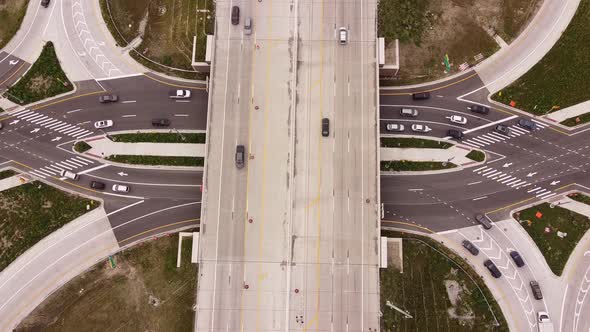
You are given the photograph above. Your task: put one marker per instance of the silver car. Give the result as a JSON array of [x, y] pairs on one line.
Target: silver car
[[420, 128]]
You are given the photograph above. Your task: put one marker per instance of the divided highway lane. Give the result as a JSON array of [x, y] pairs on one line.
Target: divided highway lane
[[11, 67]]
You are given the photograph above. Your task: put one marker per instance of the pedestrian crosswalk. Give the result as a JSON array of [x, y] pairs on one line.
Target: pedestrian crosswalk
[[56, 168], [50, 123], [512, 181], [495, 137]]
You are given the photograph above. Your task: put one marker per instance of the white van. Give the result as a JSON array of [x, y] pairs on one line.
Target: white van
[[343, 36], [69, 175], [248, 26]]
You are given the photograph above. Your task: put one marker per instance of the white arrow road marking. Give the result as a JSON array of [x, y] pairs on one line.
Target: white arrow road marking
[[122, 174], [555, 182], [531, 174], [13, 62], [35, 130], [507, 165], [14, 122]]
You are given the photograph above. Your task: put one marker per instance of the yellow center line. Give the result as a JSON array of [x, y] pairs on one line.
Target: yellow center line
[[408, 224], [430, 90], [35, 108]]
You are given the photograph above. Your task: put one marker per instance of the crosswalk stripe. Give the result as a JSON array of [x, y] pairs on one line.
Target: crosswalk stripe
[[63, 125], [80, 161], [43, 118], [66, 128], [509, 183], [488, 171], [520, 182], [37, 175], [471, 145], [47, 124], [69, 163], [30, 116], [71, 130], [46, 173], [546, 195], [487, 139], [21, 113], [510, 178], [474, 143], [82, 136], [75, 162], [481, 169], [503, 177], [536, 188], [48, 170], [64, 166], [84, 159], [523, 186], [57, 169], [46, 121], [498, 136], [480, 141], [493, 174], [540, 124], [490, 137], [54, 125], [76, 132], [518, 130], [540, 191]]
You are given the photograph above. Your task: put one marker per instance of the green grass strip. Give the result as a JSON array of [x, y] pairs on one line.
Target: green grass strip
[[160, 138], [580, 198], [576, 120], [561, 77], [157, 160], [476, 155], [45, 79], [405, 165], [410, 142], [82, 147], [7, 173], [555, 249]]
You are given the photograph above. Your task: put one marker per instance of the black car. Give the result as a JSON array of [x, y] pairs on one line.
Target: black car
[[503, 129], [483, 220], [517, 258], [240, 155], [479, 109], [456, 134], [420, 95], [45, 3], [108, 98], [160, 122], [97, 185], [527, 124], [325, 127], [471, 247], [492, 268], [536, 290], [235, 15]]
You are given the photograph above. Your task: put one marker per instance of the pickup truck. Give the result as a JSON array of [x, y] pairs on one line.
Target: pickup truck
[[179, 94], [545, 324]]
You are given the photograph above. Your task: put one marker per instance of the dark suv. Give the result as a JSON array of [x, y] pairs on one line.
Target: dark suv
[[235, 15], [421, 95], [240, 155], [503, 129], [325, 127], [479, 109], [517, 258], [527, 124], [97, 185], [536, 290], [483, 220], [45, 3], [160, 122], [471, 247], [456, 134], [492, 268]]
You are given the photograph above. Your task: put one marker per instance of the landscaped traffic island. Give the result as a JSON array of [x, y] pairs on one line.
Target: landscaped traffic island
[[406, 165]]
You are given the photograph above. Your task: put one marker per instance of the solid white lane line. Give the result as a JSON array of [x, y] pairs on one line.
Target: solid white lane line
[[479, 198], [129, 116], [181, 115], [74, 111], [472, 183], [490, 124], [128, 101], [94, 169]]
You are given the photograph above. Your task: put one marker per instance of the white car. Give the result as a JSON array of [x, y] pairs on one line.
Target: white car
[[103, 124], [394, 127], [343, 35], [180, 94], [120, 188], [458, 119], [420, 128]]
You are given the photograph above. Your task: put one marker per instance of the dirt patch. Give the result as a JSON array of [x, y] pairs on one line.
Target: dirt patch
[[143, 292], [40, 83], [463, 30]]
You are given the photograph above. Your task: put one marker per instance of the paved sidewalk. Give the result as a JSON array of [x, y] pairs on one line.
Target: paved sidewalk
[[103, 147], [575, 206], [11, 182], [455, 152], [569, 112], [52, 262]]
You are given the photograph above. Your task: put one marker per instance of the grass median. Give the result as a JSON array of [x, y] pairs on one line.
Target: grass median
[[408, 166], [7, 173], [438, 289], [82, 147], [580, 198], [410, 142], [145, 291], [576, 120], [44, 79], [30, 212], [12, 13], [198, 138], [543, 224], [476, 155], [157, 160], [559, 80]]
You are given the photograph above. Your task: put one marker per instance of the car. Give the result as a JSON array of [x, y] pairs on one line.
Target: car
[[470, 247], [97, 185], [536, 289], [179, 94], [479, 109], [120, 188], [502, 129], [483, 220], [248, 26], [45, 3], [409, 112], [343, 35], [527, 124], [240, 156], [420, 95], [517, 258], [395, 127], [69, 175], [458, 119], [1, 125], [103, 124], [492, 268], [160, 122], [235, 15], [325, 127], [420, 128], [456, 134], [108, 98]]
